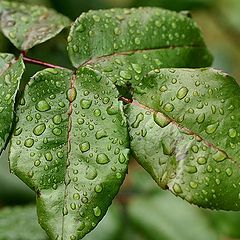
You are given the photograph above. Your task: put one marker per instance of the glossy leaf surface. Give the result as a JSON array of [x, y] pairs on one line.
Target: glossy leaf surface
[[70, 146], [185, 133], [27, 25], [11, 71], [130, 31]]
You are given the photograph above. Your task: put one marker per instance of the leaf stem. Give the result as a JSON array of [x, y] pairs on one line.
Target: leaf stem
[[38, 62], [125, 100]]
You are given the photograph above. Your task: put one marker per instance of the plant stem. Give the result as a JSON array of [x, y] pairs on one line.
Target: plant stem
[[125, 100], [38, 62]]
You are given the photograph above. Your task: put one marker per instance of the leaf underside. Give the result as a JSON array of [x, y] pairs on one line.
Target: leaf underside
[[184, 128], [70, 146], [11, 71], [27, 25]]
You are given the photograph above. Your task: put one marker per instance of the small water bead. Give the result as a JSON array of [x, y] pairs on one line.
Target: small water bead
[[122, 158], [182, 93], [57, 119], [57, 131], [84, 200], [200, 118], [229, 172], [201, 160], [43, 106], [80, 121], [112, 110], [161, 120], [217, 181], [90, 173], [232, 133], [168, 107], [17, 131], [98, 188], [212, 128], [29, 142], [137, 68], [106, 100], [37, 163], [219, 156], [191, 169], [38, 130], [193, 184], [97, 112], [125, 75], [101, 134], [48, 156], [81, 225], [102, 158], [177, 188], [97, 211], [163, 88], [138, 120], [85, 103], [84, 147]]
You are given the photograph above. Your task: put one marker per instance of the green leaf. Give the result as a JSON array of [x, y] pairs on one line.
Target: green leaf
[[20, 223], [142, 33], [71, 148], [165, 217], [28, 25], [11, 71], [184, 125]]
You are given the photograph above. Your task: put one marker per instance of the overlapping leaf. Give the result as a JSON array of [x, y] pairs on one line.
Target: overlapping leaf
[[130, 42], [184, 126], [26, 25], [70, 146], [11, 71]]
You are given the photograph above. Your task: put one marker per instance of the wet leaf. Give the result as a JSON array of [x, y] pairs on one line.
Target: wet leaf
[[27, 25], [116, 34], [71, 148], [11, 71], [18, 223], [184, 126]]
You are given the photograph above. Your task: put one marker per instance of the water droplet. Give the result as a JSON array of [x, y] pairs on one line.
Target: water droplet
[[102, 158], [96, 18], [97, 211], [191, 169], [219, 156], [168, 107], [112, 110], [71, 94], [48, 156], [81, 225], [232, 133], [182, 93], [202, 160], [57, 131], [177, 188], [126, 75], [138, 120], [217, 181], [137, 68], [90, 173], [85, 103], [38, 130], [76, 196], [17, 131], [193, 184], [101, 134], [201, 118], [84, 147], [229, 172], [29, 142], [98, 188], [37, 163], [161, 120], [97, 112], [121, 158], [43, 106], [212, 128], [195, 148]]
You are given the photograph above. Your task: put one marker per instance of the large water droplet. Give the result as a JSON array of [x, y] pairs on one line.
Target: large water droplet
[[182, 93], [57, 119], [38, 130], [161, 120], [84, 147], [212, 128], [102, 158], [138, 120], [29, 142], [43, 106], [101, 134], [85, 103]]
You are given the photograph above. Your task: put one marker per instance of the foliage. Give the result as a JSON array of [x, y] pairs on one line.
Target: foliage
[[132, 93]]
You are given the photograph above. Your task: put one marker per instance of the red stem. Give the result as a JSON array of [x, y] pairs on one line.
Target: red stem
[[126, 100], [38, 62]]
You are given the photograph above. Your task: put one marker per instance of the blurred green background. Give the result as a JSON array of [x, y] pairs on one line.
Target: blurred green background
[[141, 211]]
